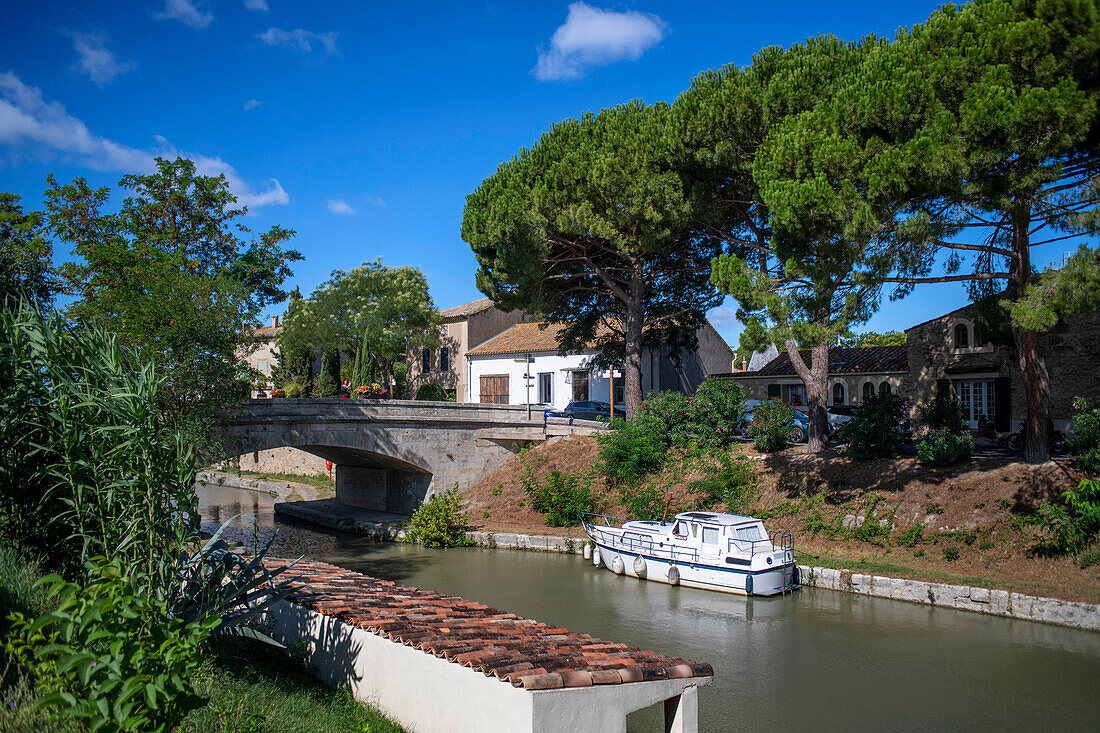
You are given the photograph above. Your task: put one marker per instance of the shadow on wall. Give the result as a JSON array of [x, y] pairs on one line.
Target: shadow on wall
[[323, 643]]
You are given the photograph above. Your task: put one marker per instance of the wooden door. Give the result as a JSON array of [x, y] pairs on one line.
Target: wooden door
[[494, 389]]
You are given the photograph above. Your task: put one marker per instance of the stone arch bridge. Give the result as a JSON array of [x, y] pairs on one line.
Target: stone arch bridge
[[392, 455]]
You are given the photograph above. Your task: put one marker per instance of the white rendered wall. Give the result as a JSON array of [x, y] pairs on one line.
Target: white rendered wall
[[599, 383]]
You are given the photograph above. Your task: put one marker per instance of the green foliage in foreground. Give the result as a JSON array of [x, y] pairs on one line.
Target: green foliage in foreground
[[431, 392], [442, 521], [87, 465], [562, 498], [110, 655], [254, 688], [1084, 442], [1071, 527]]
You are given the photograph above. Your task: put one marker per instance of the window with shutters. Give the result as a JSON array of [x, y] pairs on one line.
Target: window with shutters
[[426, 360], [444, 359]]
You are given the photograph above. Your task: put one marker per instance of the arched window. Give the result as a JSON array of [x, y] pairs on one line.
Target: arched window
[[838, 393], [868, 390], [962, 336], [884, 388]]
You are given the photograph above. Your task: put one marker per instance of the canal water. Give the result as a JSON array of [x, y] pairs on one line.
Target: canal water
[[814, 660]]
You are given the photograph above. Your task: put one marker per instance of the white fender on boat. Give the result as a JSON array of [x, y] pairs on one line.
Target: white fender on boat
[[673, 576], [639, 566], [617, 565], [596, 556], [587, 551]]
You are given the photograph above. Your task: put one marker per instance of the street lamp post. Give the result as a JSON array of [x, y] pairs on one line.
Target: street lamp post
[[526, 360]]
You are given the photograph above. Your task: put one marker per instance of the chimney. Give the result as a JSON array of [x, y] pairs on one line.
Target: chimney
[[274, 321]]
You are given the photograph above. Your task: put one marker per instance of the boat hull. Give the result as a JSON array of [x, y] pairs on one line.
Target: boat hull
[[739, 581]]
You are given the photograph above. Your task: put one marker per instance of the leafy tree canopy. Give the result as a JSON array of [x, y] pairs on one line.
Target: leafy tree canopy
[[372, 310], [870, 338], [25, 255], [591, 228], [175, 275]]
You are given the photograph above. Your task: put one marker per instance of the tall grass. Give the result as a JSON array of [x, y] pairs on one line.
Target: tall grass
[[87, 465]]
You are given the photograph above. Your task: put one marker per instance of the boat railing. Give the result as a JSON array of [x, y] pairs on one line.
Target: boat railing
[[636, 542], [782, 539], [755, 546]]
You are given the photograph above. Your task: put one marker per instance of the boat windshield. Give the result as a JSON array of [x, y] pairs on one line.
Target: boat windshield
[[750, 532]]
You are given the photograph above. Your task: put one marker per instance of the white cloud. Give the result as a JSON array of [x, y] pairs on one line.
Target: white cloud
[[32, 127], [374, 201], [723, 317], [300, 39], [186, 12], [96, 60], [593, 37], [260, 5], [339, 206], [251, 104]]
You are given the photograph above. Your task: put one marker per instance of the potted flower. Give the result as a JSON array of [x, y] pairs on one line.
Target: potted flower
[[372, 391]]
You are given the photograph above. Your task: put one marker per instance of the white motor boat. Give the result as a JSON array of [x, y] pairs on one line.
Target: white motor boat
[[712, 550]]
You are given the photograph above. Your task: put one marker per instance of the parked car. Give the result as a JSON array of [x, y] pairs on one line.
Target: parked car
[[800, 425], [585, 410], [838, 415]]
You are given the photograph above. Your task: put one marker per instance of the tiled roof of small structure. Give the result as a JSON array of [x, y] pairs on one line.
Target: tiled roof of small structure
[[522, 338], [854, 360], [525, 653], [266, 332], [468, 309]]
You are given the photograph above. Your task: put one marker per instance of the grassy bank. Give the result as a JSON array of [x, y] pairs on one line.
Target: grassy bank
[[973, 523]]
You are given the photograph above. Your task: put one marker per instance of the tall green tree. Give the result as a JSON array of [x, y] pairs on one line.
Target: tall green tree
[[294, 366], [590, 228], [770, 139], [1016, 84], [372, 313], [25, 256], [177, 276]]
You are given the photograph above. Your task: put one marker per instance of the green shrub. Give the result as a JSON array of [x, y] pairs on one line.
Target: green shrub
[[715, 412], [1084, 440], [1070, 528], [770, 428], [951, 554], [431, 392], [563, 498], [642, 502], [110, 655], [912, 536], [442, 521], [88, 466], [1089, 558], [873, 529], [943, 412], [629, 450], [877, 430], [668, 416], [328, 381], [732, 482], [942, 447]]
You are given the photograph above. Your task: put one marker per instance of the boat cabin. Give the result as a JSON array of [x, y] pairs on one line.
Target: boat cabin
[[716, 534]]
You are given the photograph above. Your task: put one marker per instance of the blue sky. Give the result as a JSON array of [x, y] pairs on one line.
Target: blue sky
[[364, 126]]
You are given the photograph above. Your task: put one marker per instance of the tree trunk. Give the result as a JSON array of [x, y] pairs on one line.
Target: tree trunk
[[816, 379], [1032, 367], [632, 372]]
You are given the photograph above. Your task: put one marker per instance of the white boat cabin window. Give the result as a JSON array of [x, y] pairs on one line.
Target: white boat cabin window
[[679, 529], [750, 532], [694, 529], [710, 535]]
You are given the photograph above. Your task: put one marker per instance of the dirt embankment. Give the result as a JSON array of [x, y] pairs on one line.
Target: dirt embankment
[[973, 516]]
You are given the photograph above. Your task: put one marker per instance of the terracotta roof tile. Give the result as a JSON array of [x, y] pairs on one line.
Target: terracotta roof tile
[[521, 338], [468, 309], [861, 360], [524, 652]]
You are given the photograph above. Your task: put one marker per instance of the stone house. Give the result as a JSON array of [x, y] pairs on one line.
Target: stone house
[[499, 369], [264, 356], [854, 375], [950, 355], [464, 327]]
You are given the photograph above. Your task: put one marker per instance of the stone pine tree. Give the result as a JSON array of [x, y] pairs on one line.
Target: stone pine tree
[[1016, 86], [589, 228], [767, 139]]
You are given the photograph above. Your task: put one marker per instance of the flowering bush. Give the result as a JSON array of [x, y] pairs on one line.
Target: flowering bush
[[277, 393], [370, 391], [1084, 441], [770, 428], [878, 429], [715, 411]]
